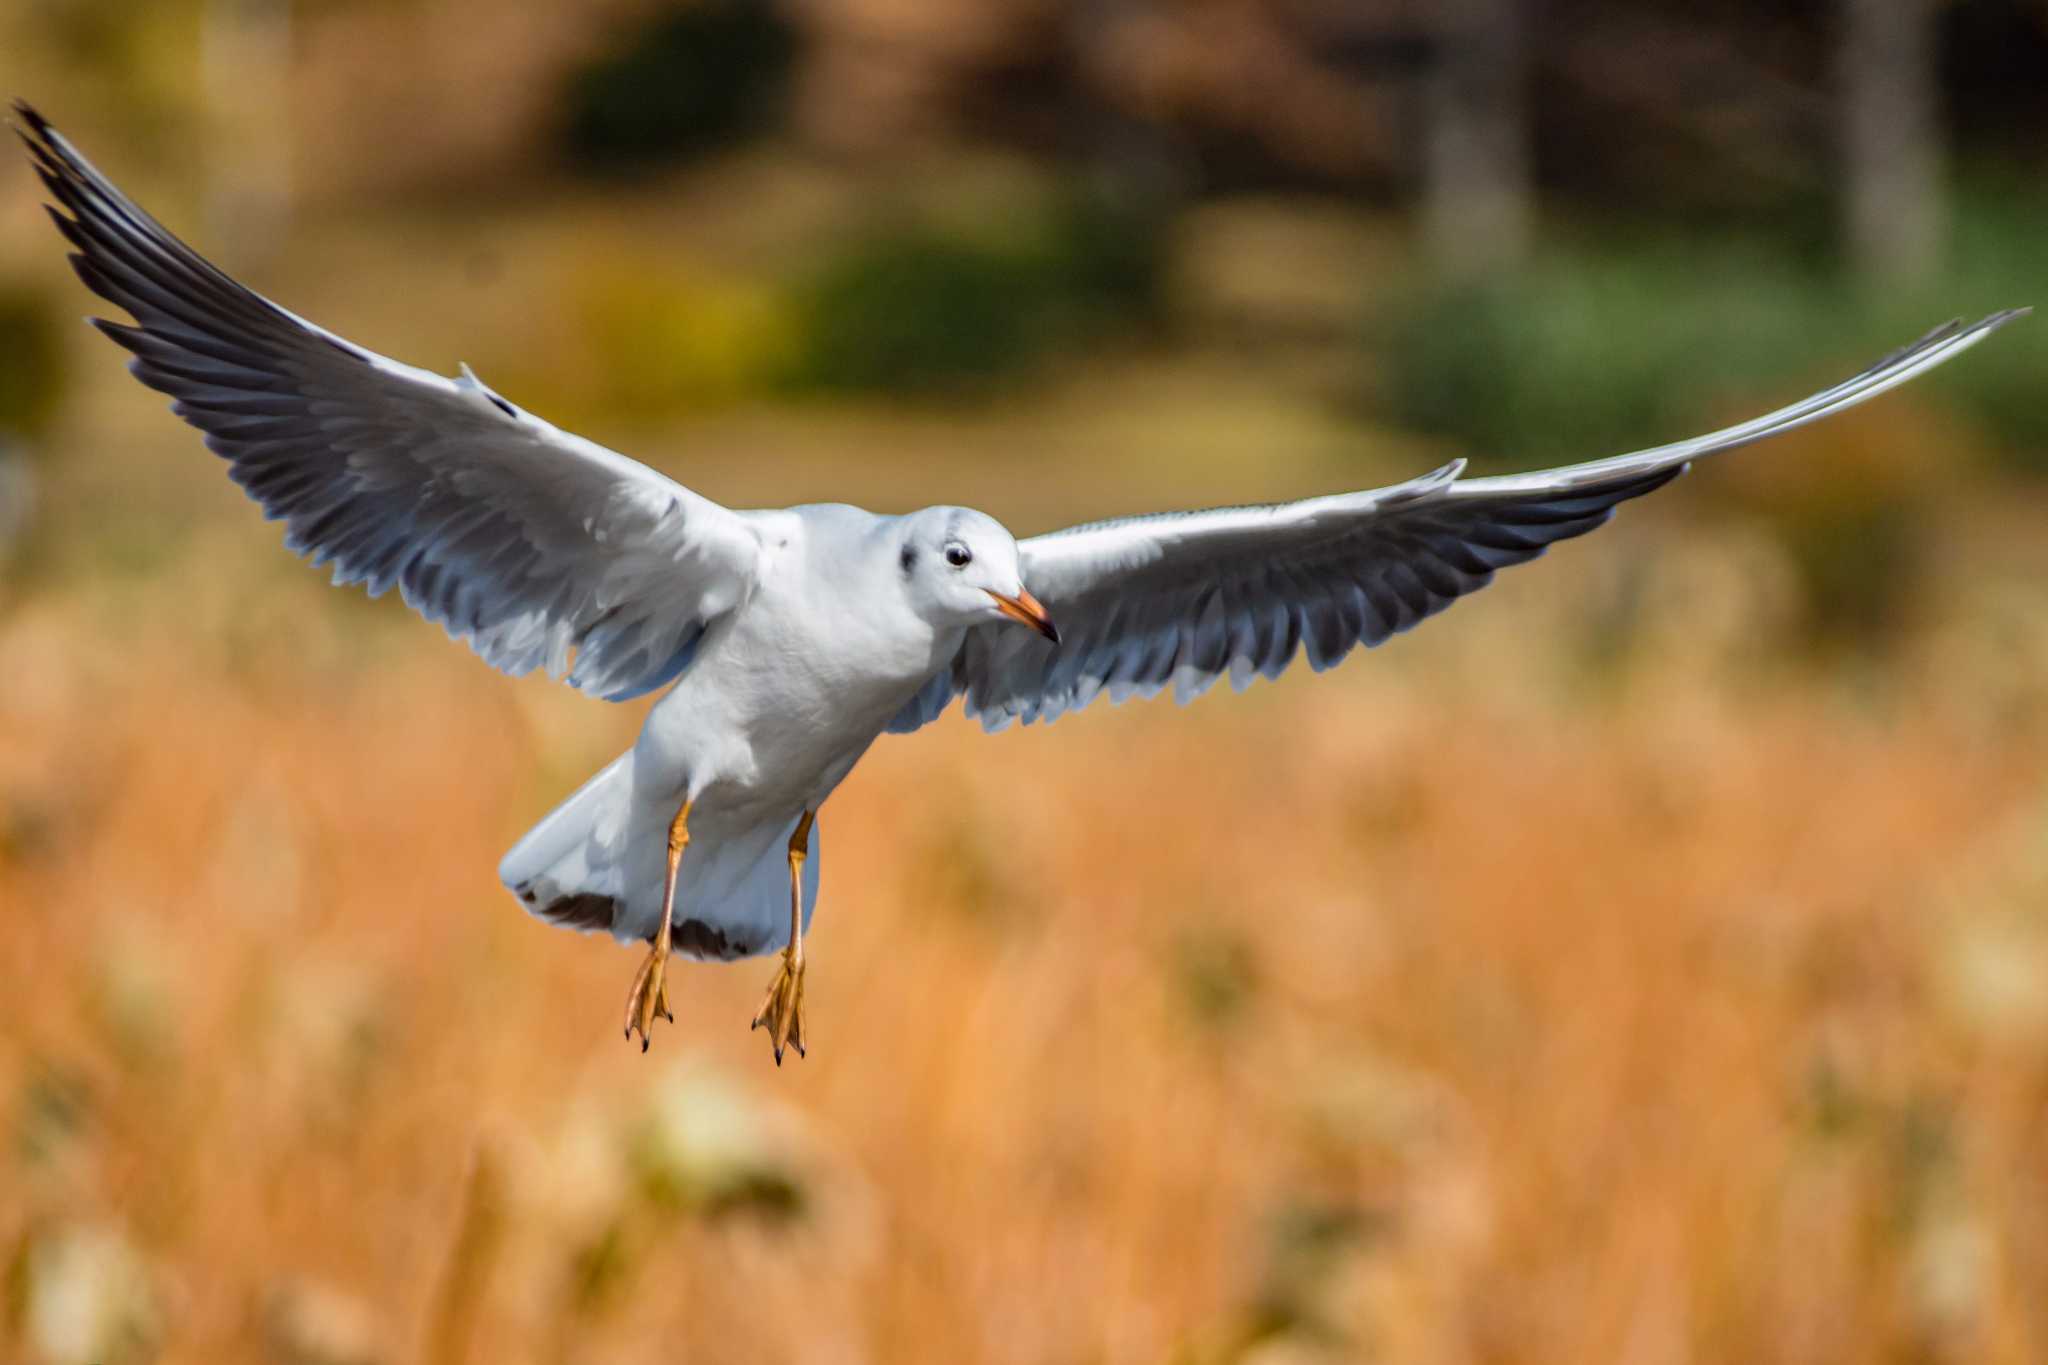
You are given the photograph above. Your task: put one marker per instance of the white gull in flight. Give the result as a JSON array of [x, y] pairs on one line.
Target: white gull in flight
[[788, 639]]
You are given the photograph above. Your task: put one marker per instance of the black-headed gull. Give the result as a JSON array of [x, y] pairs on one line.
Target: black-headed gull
[[788, 640]]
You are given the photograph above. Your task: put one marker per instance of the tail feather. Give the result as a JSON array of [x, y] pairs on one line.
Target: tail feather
[[597, 862], [570, 868]]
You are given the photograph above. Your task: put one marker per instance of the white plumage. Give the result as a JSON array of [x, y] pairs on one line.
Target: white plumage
[[789, 639]]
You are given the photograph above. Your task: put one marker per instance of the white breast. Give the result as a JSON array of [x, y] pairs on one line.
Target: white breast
[[787, 694]]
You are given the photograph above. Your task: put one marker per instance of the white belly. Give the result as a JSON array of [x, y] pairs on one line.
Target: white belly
[[768, 721]]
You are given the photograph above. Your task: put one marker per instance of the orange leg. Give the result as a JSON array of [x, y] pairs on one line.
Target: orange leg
[[649, 996], [783, 1010]]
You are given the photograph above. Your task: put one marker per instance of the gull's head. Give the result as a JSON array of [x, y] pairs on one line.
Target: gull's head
[[960, 568]]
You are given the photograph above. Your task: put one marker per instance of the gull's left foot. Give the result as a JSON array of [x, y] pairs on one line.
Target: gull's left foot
[[648, 999], [782, 1012]]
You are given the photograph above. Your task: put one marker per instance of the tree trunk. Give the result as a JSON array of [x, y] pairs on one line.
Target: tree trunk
[[1891, 140], [1477, 211]]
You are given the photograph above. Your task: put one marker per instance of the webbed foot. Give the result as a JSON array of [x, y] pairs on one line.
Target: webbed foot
[[782, 1011], [649, 996]]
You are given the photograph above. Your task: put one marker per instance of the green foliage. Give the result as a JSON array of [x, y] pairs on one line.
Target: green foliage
[[1600, 347], [919, 311], [686, 81], [924, 310], [1603, 347], [1591, 352], [1995, 262], [31, 380]]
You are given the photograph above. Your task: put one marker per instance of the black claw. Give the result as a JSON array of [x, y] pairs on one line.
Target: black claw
[[644, 1041]]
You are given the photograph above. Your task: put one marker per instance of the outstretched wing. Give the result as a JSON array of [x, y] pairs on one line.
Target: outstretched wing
[[539, 548], [1183, 598]]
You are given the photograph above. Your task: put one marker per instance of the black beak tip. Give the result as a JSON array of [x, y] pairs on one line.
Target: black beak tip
[[1049, 630]]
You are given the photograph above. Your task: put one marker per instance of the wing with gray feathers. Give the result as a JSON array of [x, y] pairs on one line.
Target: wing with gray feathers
[[1184, 598], [539, 548]]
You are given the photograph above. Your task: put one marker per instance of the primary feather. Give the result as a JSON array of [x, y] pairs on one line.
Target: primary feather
[[537, 547]]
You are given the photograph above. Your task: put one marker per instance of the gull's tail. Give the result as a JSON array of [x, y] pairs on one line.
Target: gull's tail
[[597, 862], [570, 868]]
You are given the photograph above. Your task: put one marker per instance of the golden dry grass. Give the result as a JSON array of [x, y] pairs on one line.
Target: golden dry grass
[[1497, 998], [1591, 975]]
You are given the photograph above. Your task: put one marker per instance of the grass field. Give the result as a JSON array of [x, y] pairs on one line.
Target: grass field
[[1596, 974], [1612, 970]]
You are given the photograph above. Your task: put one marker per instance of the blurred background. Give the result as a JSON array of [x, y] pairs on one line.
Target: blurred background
[[1647, 962]]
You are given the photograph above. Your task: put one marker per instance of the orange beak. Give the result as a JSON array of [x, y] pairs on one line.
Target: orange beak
[[1024, 607]]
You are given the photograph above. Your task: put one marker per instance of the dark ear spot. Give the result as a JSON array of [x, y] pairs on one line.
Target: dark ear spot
[[908, 559]]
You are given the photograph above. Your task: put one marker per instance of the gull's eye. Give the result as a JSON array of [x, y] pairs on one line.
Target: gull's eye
[[958, 555]]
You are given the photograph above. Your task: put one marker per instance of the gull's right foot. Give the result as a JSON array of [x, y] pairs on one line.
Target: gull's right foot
[[649, 996]]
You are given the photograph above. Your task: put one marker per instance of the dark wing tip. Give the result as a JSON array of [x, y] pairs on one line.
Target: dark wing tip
[[1983, 326], [52, 158], [44, 142]]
